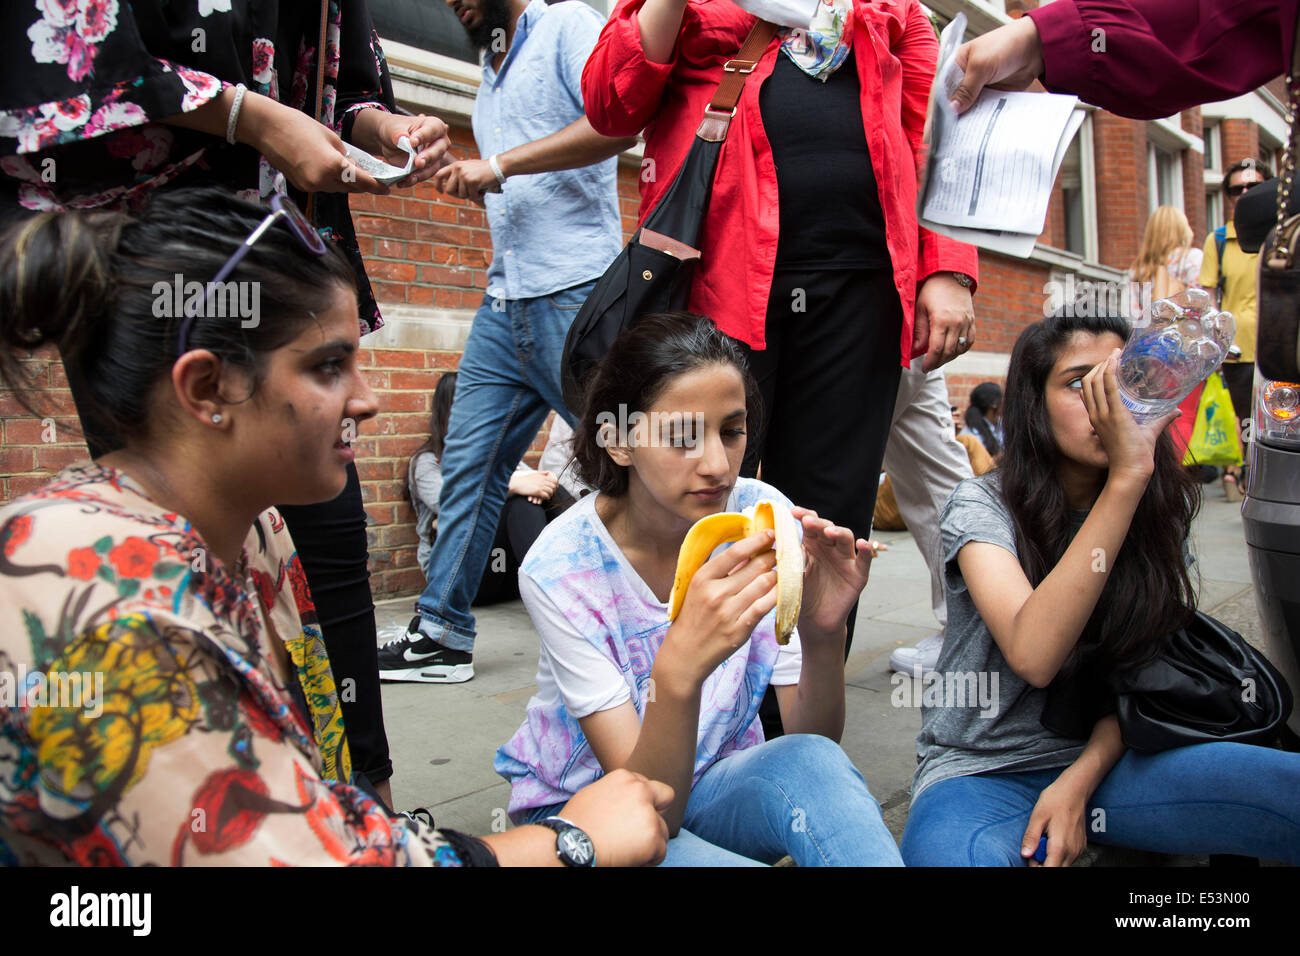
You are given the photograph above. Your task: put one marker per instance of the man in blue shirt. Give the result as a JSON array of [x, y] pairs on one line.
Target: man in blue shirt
[[555, 227]]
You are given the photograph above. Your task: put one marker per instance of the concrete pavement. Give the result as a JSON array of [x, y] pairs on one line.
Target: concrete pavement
[[443, 737]]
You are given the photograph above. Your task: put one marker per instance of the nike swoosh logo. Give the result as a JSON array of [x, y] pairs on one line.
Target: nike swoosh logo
[[413, 658]]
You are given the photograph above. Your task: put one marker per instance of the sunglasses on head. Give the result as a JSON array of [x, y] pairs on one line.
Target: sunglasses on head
[[281, 208]]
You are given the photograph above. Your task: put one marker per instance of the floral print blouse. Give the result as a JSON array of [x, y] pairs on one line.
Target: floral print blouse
[[157, 707], [86, 82]]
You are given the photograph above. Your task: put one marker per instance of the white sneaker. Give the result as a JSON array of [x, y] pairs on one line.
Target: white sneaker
[[919, 660]]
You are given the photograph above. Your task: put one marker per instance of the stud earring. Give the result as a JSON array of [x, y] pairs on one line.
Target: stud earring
[[216, 418]]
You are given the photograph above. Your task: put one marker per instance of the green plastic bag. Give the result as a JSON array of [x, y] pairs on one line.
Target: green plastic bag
[[1214, 438]]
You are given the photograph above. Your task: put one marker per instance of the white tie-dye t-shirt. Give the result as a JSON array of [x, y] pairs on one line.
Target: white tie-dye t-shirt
[[601, 627]]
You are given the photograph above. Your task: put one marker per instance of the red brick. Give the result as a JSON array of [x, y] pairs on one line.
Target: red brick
[[381, 515], [389, 249], [389, 206], [20, 485], [443, 212], [396, 271], [419, 251], [474, 258], [442, 275], [450, 235], [389, 491], [14, 459], [424, 379], [399, 358], [404, 401], [57, 457], [375, 378], [421, 295], [375, 469]]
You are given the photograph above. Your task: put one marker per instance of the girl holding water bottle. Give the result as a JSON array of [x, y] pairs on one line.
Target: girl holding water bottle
[[1078, 539]]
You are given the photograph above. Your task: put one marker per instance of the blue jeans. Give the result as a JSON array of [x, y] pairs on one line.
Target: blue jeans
[[798, 795], [509, 379], [1210, 798]]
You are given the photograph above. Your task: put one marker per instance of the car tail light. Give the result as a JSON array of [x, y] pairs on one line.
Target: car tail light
[[1277, 412]]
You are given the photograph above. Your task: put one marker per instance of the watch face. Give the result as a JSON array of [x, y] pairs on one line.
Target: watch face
[[575, 846]]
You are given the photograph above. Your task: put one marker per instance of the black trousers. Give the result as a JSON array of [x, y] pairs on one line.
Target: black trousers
[[1239, 378], [521, 522], [828, 377], [331, 541]]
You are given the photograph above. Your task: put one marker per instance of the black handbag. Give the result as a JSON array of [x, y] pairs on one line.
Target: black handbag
[[1277, 347], [1208, 685], [653, 273]]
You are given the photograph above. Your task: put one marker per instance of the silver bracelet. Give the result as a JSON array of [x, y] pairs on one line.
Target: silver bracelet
[[233, 120], [496, 170]]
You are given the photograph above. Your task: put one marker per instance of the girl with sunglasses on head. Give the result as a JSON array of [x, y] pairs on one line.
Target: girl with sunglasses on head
[[107, 102], [204, 725], [619, 686], [1075, 549]]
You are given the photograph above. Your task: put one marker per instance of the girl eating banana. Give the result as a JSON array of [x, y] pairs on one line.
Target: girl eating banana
[[630, 678]]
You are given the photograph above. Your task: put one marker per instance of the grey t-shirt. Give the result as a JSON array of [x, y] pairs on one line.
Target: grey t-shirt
[[986, 717]]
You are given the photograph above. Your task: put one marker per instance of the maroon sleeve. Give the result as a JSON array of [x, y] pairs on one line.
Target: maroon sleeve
[[1151, 58]]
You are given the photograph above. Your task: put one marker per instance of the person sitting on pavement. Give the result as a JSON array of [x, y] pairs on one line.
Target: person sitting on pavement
[[1079, 478], [983, 416], [620, 685], [207, 726]]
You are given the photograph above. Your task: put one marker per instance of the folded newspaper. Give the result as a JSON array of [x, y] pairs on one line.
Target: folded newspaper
[[989, 172]]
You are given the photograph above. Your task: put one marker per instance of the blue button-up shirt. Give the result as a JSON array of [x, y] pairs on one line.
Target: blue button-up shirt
[[554, 230]]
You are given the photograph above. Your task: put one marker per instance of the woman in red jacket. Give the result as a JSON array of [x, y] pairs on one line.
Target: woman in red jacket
[[812, 255]]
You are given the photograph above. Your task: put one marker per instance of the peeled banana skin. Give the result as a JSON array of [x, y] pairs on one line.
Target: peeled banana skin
[[709, 532]]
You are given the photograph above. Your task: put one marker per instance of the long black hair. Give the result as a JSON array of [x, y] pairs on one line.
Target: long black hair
[[86, 281], [639, 366], [1149, 593], [443, 395], [984, 397]]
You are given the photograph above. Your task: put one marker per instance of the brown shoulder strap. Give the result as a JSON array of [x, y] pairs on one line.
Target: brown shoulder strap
[[733, 79], [717, 116]]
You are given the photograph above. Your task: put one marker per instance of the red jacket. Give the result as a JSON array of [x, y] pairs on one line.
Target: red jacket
[[895, 50]]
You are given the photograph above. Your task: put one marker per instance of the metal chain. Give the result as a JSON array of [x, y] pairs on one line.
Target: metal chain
[[1289, 154]]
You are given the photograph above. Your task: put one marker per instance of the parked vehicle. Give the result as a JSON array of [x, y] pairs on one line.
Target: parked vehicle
[[1271, 515]]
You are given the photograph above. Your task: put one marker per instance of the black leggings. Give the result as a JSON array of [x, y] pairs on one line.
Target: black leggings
[[331, 541], [521, 522]]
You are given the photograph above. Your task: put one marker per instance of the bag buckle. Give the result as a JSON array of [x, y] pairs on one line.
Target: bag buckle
[[739, 66]]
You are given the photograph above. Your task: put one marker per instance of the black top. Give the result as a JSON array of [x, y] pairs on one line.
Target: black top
[[831, 216]]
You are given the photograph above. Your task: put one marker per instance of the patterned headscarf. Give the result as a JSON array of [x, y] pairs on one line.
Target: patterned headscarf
[[820, 49]]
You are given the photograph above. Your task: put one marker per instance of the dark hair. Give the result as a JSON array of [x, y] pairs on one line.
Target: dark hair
[[1149, 592], [444, 393], [639, 366], [1249, 162], [983, 397], [85, 281]]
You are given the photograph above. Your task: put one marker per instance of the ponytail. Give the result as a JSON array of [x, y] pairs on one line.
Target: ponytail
[[56, 287]]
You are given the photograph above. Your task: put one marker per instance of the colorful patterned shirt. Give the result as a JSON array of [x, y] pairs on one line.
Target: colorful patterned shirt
[[87, 82], [601, 627], [157, 707]]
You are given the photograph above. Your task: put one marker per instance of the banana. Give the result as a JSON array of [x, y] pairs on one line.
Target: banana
[[707, 533]]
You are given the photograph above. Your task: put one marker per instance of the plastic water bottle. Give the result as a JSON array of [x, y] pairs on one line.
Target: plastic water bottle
[[1176, 345]]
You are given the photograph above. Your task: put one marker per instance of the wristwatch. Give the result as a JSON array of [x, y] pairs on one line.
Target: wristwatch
[[572, 845], [963, 279]]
